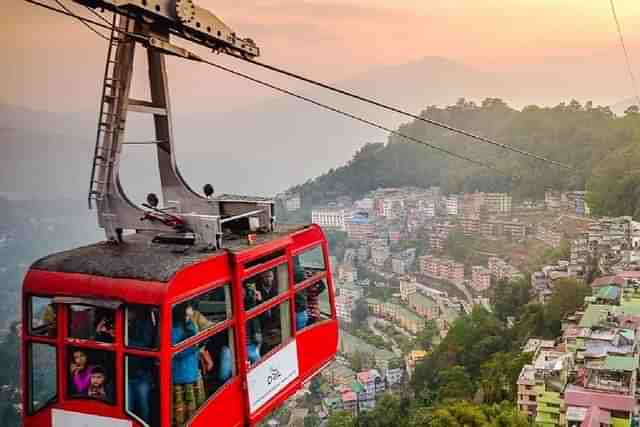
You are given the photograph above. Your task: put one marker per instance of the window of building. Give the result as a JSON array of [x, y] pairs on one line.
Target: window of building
[[308, 263], [267, 331], [264, 286], [42, 375], [43, 317], [201, 312], [198, 372], [142, 327], [312, 305], [141, 392], [91, 323], [91, 374]]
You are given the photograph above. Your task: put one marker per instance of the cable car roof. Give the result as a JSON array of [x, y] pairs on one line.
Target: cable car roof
[[140, 259]]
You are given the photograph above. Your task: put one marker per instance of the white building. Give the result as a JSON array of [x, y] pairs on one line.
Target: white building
[[407, 287], [452, 204], [292, 202], [366, 204], [344, 307], [329, 218], [394, 376], [379, 254]]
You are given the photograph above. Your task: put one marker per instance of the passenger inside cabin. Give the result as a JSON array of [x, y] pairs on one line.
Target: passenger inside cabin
[[49, 319], [188, 386], [254, 328], [142, 333], [99, 387], [313, 301], [80, 372], [103, 325]]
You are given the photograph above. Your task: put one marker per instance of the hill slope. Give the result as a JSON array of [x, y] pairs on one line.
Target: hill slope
[[582, 136]]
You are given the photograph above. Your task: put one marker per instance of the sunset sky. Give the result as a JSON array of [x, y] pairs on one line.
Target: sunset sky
[[52, 62]]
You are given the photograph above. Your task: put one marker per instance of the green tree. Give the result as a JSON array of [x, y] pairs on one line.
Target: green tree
[[360, 313], [424, 340], [456, 384], [508, 296], [312, 420], [568, 295], [341, 419]]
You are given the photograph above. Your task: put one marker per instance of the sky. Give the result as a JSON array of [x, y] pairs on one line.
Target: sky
[[53, 63]]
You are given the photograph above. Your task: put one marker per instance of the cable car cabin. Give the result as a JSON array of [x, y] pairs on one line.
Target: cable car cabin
[[146, 334]]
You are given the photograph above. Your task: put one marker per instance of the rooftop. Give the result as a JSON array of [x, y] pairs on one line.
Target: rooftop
[[140, 259], [621, 363]]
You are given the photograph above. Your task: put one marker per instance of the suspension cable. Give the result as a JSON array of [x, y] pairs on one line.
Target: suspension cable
[[405, 113]]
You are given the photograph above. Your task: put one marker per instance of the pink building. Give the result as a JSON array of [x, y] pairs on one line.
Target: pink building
[[480, 278]]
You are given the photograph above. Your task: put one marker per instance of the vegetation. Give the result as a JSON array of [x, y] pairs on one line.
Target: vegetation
[[469, 379], [603, 148]]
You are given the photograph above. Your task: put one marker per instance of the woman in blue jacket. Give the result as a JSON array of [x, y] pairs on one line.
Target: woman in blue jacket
[[188, 387]]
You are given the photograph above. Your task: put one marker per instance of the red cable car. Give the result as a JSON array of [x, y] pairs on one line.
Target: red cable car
[[205, 312], [102, 322]]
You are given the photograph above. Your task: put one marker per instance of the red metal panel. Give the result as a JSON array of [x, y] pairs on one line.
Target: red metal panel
[[82, 285], [261, 250], [317, 345], [225, 409], [199, 277]]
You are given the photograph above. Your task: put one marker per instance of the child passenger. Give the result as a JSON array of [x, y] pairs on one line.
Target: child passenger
[[98, 388], [80, 373]]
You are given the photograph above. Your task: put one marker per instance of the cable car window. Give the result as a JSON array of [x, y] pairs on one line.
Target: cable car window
[[42, 376], [308, 264], [202, 312], [143, 326], [42, 317], [267, 331], [312, 305], [198, 372], [142, 394], [91, 323], [264, 286], [91, 374]]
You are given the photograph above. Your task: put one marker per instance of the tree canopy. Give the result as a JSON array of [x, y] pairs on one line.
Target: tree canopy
[[602, 147]]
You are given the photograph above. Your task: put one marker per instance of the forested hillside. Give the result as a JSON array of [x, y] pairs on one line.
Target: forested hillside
[[601, 146]]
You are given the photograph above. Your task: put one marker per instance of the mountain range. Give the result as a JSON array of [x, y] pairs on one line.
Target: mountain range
[[259, 149]]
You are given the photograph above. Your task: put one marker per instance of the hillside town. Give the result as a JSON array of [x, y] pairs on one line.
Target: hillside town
[[398, 280]]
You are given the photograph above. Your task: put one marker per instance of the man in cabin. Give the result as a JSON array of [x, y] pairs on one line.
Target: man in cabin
[[313, 301]]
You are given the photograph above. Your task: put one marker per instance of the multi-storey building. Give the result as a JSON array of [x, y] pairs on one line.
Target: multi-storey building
[[497, 202], [514, 230], [436, 243], [347, 273], [501, 269], [292, 201], [480, 278], [359, 226], [393, 376], [472, 203], [344, 308], [407, 287], [451, 204], [423, 305], [329, 218], [527, 395], [470, 225], [379, 254]]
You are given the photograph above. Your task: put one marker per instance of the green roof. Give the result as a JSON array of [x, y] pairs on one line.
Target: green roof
[[631, 307], [594, 314], [357, 387], [610, 293], [621, 363]]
